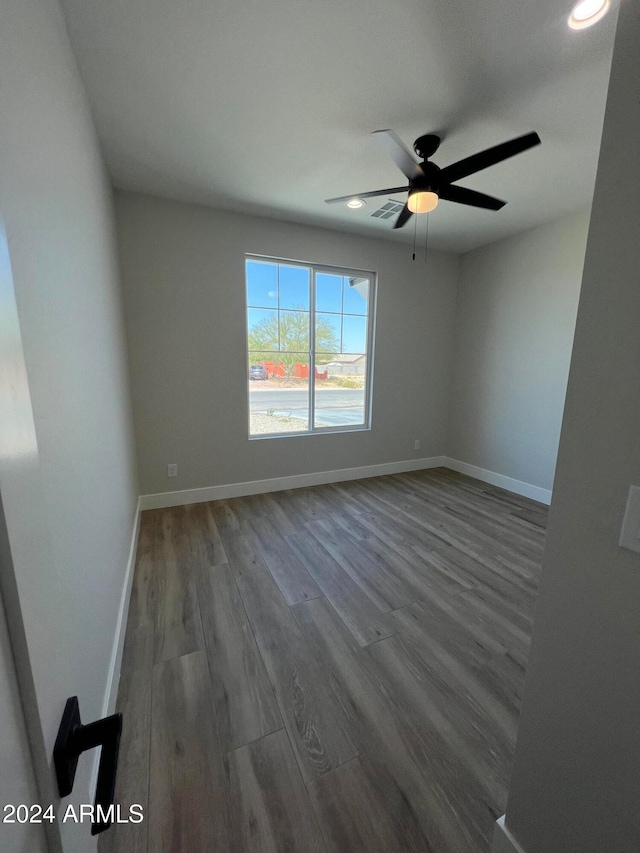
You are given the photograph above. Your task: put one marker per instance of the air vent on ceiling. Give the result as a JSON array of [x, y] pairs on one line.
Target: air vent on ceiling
[[388, 210]]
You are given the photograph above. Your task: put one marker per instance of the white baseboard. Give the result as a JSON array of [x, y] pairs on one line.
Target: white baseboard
[[503, 841], [527, 490], [277, 484], [113, 680]]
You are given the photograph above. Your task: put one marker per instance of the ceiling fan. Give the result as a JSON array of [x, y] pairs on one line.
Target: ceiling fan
[[428, 183]]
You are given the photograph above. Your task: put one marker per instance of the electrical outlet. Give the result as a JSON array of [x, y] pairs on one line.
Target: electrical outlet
[[416, 444], [172, 470]]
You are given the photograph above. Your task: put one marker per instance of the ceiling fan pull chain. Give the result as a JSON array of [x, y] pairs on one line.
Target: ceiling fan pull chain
[[426, 240], [415, 231]]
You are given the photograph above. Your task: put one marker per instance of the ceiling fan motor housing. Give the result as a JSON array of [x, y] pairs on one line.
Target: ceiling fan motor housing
[[428, 181]]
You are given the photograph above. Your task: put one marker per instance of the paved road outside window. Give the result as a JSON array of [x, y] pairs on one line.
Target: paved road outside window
[[334, 406]]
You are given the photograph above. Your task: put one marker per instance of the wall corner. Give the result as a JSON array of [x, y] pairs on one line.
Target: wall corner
[[503, 841]]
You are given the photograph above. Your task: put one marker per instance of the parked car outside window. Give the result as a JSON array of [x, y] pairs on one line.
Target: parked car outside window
[[258, 371]]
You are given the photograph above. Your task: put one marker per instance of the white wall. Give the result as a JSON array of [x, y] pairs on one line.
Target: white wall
[[576, 779], [57, 207], [183, 278], [515, 319], [30, 545]]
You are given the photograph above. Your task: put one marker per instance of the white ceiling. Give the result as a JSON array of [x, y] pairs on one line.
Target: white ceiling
[[266, 106]]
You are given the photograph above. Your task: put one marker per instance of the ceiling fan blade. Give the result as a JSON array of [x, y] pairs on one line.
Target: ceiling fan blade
[[390, 191], [405, 216], [487, 158], [464, 196], [399, 153]]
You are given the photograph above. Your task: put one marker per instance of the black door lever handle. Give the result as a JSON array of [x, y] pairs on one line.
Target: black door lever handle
[[73, 739]]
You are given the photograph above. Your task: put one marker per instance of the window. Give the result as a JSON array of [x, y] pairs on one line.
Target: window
[[310, 335]]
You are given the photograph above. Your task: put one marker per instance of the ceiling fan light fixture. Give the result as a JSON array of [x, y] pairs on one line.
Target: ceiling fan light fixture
[[586, 13], [356, 203], [422, 201]]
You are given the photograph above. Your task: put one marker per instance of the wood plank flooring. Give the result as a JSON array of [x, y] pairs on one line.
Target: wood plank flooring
[[335, 669]]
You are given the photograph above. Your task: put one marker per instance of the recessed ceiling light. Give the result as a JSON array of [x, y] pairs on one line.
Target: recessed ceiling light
[[588, 12], [356, 203]]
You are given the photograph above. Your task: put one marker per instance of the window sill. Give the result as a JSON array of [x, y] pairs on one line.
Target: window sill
[[316, 432]]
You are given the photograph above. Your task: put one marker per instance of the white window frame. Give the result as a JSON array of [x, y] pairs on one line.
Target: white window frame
[[371, 325]]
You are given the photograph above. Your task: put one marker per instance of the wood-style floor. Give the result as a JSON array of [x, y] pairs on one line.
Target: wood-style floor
[[332, 669]]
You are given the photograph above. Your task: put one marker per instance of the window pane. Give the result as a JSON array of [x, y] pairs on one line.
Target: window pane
[[262, 284], [263, 329], [328, 333], [280, 308], [294, 331], [294, 287], [279, 403], [356, 295], [340, 391], [328, 292], [354, 334]]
